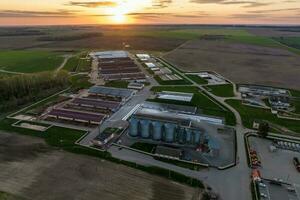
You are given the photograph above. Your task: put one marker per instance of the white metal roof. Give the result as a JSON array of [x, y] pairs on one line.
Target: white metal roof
[[110, 54]]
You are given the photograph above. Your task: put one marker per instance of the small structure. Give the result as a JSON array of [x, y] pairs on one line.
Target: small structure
[[151, 65], [143, 57], [178, 96], [168, 152], [136, 86]]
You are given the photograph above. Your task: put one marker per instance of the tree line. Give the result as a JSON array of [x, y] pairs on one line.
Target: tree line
[[22, 89]]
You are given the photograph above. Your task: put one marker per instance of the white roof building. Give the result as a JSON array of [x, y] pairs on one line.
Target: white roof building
[[110, 54]]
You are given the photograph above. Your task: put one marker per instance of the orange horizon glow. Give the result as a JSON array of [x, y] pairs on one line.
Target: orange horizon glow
[[72, 12]]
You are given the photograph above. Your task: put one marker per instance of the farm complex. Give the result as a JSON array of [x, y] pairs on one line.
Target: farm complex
[[214, 110]]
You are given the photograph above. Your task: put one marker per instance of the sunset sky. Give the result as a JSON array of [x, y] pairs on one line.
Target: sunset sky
[[51, 12]]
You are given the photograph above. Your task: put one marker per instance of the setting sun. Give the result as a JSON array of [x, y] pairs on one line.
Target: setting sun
[[119, 18]]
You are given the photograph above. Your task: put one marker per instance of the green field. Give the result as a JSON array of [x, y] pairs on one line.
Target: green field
[[80, 81], [250, 114], [293, 42], [200, 100], [77, 63], [186, 34], [146, 147], [72, 64], [29, 61], [221, 90], [253, 40], [197, 79], [117, 84]]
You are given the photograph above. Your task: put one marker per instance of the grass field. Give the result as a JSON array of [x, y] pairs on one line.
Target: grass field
[[117, 84], [250, 114], [293, 42], [253, 40], [221, 90], [187, 34], [78, 64], [29, 61], [200, 100], [197, 79]]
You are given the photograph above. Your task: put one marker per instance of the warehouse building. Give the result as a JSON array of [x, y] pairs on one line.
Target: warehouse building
[[77, 116], [177, 96], [122, 94], [117, 65], [95, 103]]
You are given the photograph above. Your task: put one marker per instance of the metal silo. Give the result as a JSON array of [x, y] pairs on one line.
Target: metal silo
[[170, 130], [197, 137], [145, 133], [157, 132], [181, 135], [133, 127], [188, 136]]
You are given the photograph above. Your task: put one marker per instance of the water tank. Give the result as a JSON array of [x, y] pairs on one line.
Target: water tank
[[145, 133], [197, 137], [157, 132], [133, 127], [188, 136], [170, 130]]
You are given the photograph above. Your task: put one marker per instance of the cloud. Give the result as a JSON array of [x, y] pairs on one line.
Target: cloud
[[161, 3], [246, 3], [25, 13], [93, 4], [274, 10]]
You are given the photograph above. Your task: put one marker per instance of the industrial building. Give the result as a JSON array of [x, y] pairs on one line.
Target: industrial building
[[177, 96], [279, 99], [170, 128], [117, 65], [118, 93], [263, 91], [95, 103], [90, 108], [78, 116]]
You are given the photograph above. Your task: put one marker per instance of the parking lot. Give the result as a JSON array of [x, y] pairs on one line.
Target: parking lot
[[278, 165]]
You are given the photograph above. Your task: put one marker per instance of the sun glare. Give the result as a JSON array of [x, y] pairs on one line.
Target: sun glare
[[119, 18], [124, 7]]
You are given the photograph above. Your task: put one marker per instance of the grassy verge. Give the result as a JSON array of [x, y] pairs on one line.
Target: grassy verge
[[181, 164], [117, 84], [221, 90], [146, 147], [80, 82], [200, 100], [250, 114], [197, 79]]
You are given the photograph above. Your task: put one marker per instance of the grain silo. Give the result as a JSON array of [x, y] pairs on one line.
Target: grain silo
[[157, 131], [169, 130], [133, 127], [145, 133]]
